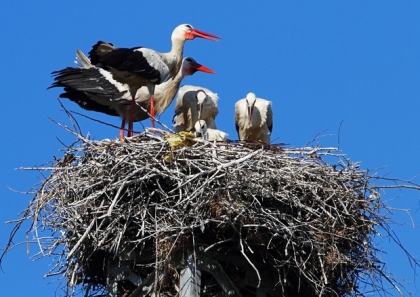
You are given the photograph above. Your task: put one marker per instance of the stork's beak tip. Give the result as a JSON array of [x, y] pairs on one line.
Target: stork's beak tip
[[205, 35], [205, 69]]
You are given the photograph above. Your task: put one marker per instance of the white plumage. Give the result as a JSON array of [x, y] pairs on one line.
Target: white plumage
[[209, 134], [254, 119], [140, 66], [195, 103], [94, 88]]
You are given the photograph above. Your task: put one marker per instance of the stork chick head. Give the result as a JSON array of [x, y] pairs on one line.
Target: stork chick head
[[201, 129], [250, 103]]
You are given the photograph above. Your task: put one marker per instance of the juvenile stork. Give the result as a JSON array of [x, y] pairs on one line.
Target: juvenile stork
[[140, 66], [94, 88], [254, 119], [209, 134], [192, 104]]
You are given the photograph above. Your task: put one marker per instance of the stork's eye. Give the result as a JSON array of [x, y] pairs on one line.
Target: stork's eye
[[188, 60]]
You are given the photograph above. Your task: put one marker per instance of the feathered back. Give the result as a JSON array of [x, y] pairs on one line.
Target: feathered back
[[186, 109]]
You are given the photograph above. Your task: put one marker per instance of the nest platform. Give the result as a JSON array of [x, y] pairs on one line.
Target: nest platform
[[131, 217]]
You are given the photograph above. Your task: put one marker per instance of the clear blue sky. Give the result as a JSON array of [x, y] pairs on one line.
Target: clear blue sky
[[322, 63]]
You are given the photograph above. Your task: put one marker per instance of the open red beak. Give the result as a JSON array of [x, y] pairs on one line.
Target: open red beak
[[197, 33]]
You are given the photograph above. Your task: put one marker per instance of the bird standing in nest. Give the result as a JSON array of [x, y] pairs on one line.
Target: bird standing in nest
[[195, 103], [94, 88], [254, 119], [140, 66]]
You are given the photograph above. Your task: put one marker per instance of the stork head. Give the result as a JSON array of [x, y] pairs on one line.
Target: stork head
[[201, 97], [187, 32], [250, 103], [190, 66], [201, 129]]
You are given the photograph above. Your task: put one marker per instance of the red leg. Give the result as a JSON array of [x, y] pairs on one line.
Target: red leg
[[152, 110], [131, 120], [122, 129]]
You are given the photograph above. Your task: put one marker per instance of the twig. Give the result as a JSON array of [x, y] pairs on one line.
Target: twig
[[249, 261], [311, 222]]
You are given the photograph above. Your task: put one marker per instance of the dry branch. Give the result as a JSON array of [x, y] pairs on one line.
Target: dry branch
[[282, 220]]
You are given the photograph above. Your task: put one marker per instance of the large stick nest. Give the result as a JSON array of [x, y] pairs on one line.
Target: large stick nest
[[280, 219]]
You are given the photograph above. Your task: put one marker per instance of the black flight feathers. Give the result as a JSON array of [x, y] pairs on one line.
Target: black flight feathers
[[108, 57], [85, 87], [88, 80], [84, 101]]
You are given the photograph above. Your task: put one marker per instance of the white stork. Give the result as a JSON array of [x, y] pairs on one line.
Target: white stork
[[95, 89], [140, 66], [192, 104], [209, 134], [254, 119]]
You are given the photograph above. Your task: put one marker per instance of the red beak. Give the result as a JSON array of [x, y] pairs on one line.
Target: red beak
[[197, 33], [203, 68]]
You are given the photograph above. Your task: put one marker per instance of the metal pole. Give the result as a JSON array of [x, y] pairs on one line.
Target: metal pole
[[190, 280]]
